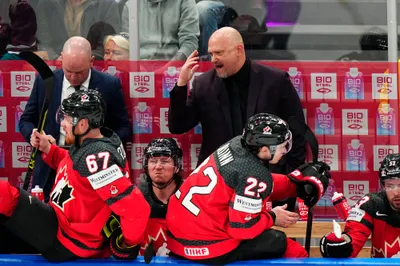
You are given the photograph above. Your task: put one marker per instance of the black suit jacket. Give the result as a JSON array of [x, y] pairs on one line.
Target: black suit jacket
[[116, 117], [270, 91]]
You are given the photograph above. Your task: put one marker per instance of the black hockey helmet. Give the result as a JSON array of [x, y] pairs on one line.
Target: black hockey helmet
[[84, 104], [265, 129], [163, 147], [390, 167]]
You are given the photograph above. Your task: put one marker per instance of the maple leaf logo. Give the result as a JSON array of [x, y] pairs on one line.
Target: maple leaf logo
[[392, 250]]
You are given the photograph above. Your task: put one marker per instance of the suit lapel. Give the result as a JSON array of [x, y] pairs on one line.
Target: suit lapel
[[58, 86], [223, 99], [254, 89], [93, 80]]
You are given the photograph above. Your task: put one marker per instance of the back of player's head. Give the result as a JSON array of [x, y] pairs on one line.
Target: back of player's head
[[85, 104], [268, 130], [163, 147], [390, 167]]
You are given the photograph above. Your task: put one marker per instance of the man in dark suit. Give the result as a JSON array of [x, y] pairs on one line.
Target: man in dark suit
[[223, 98], [76, 74]]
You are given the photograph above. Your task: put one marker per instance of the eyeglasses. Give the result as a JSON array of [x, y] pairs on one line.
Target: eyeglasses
[[162, 161]]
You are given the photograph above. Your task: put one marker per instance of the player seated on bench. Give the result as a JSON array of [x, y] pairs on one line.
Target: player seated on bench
[[92, 181], [219, 215], [376, 213]]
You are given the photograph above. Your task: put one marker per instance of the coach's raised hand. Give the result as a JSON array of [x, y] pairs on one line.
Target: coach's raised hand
[[188, 69]]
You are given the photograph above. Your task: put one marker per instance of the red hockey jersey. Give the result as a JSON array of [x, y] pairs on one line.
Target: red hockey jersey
[[156, 230], [222, 203], [373, 214], [91, 182]]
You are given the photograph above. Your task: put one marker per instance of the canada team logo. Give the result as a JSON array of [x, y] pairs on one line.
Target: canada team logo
[[84, 98], [267, 130]]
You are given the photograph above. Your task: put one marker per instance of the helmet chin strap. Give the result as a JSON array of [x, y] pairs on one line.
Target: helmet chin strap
[[163, 186], [78, 136]]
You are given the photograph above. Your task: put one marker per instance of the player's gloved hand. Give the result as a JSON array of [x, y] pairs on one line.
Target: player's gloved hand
[[312, 180], [112, 224], [318, 169], [119, 249], [333, 247]]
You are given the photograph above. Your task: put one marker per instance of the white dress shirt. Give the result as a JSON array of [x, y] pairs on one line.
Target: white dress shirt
[[67, 90]]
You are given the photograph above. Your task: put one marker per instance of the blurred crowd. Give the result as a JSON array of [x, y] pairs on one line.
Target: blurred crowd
[[169, 30]]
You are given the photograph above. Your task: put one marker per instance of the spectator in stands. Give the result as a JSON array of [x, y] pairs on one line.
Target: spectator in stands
[[223, 98], [211, 13], [116, 47], [76, 74], [59, 20], [97, 33], [168, 29], [5, 36], [5, 4], [22, 31]]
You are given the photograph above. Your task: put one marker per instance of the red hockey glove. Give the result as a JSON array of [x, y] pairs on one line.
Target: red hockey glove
[[312, 180], [333, 247], [119, 250]]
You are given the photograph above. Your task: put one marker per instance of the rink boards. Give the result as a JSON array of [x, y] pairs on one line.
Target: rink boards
[[33, 260]]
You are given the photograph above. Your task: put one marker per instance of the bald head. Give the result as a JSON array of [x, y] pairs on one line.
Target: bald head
[[76, 60], [77, 46], [228, 35], [227, 51]]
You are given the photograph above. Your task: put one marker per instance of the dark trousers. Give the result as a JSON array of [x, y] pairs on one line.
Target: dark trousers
[[32, 228]]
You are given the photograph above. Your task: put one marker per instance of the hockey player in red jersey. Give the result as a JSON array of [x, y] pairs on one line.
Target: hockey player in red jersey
[[92, 181], [223, 202], [162, 165], [377, 214]]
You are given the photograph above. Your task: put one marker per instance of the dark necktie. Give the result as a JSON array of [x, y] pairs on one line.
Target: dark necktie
[[77, 88]]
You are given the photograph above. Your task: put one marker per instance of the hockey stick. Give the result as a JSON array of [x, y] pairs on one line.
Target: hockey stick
[[312, 141], [48, 79]]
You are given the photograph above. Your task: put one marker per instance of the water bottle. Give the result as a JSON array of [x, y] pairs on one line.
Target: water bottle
[[38, 192], [341, 205]]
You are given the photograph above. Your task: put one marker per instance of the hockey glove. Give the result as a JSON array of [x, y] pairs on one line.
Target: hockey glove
[[312, 180], [119, 250], [333, 247], [112, 224], [318, 169]]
